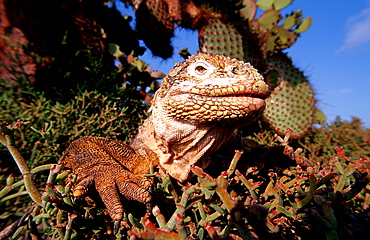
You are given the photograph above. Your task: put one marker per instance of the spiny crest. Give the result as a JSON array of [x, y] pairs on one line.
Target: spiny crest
[[219, 63]]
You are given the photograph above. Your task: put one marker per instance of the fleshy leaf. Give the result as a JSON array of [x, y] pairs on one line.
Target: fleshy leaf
[[304, 26], [249, 10], [280, 4], [265, 4]]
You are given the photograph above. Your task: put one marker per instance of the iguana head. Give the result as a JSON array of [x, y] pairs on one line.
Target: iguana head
[[213, 88], [199, 105]]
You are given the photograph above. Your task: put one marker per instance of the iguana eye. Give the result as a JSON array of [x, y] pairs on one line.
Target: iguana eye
[[200, 69]]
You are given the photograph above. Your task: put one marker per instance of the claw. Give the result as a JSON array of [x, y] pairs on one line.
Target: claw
[[107, 166], [148, 207], [116, 226]]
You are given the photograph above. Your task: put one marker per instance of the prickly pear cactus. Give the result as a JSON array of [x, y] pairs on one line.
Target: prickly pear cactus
[[233, 29], [222, 37], [161, 11], [291, 103], [155, 27], [260, 41]]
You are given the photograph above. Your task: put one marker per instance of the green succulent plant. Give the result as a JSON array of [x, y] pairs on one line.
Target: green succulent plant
[[247, 200], [267, 192]]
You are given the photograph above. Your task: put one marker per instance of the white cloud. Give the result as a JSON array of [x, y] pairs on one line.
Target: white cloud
[[358, 30], [345, 90], [340, 91]]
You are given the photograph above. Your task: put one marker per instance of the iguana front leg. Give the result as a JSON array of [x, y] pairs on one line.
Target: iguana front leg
[[112, 168], [199, 105]]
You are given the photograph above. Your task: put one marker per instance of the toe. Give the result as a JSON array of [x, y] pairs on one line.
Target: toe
[[108, 192], [138, 189], [82, 187]]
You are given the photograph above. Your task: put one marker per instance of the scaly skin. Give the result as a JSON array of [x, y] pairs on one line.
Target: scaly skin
[[199, 105]]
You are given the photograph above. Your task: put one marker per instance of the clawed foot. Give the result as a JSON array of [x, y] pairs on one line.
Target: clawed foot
[[103, 168]]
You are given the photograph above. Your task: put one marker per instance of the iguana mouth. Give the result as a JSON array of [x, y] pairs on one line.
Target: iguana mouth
[[205, 108], [251, 95], [257, 90]]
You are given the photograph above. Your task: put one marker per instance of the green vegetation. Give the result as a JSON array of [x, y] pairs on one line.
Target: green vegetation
[[262, 195], [77, 91]]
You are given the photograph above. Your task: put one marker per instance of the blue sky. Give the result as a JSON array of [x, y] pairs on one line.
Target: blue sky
[[334, 53]]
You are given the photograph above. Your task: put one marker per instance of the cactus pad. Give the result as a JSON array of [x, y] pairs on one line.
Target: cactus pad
[[291, 103], [225, 38], [155, 28], [221, 38]]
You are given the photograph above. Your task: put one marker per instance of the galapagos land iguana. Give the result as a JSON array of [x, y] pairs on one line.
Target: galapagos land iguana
[[196, 110]]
